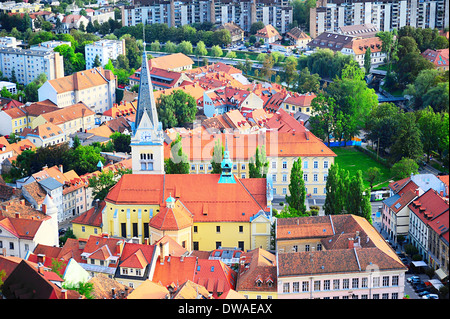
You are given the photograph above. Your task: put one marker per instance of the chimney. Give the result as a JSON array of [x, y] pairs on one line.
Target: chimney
[[302, 122], [60, 168], [22, 202], [41, 258], [64, 293], [161, 254], [417, 192], [44, 208], [350, 243], [17, 215], [113, 293]]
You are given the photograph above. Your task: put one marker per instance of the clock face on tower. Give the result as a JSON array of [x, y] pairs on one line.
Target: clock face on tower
[[146, 136]]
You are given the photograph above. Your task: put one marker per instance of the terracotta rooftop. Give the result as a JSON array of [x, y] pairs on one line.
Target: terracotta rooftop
[[82, 80]]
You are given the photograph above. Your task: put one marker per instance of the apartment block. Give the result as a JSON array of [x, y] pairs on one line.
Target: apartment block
[[335, 257], [105, 50], [386, 15], [28, 64], [178, 13], [95, 87]]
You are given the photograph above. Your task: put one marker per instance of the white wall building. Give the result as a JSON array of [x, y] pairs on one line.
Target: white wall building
[[27, 65], [105, 50], [386, 15]]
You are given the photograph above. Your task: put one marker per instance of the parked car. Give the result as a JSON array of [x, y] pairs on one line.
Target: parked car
[[419, 289], [410, 279], [430, 296], [425, 292]]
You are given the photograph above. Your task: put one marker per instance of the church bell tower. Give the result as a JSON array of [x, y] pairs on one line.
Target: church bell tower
[[147, 140]]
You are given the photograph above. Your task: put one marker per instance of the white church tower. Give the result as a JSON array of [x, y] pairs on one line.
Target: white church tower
[[147, 141]]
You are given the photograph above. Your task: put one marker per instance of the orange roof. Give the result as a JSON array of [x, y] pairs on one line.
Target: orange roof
[[171, 61], [193, 89], [360, 46], [68, 113], [15, 112], [149, 290], [222, 202], [199, 146], [82, 80], [44, 131], [174, 270], [102, 130], [267, 32], [175, 218], [215, 276]]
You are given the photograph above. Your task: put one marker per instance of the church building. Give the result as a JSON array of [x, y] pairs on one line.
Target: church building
[[201, 212]]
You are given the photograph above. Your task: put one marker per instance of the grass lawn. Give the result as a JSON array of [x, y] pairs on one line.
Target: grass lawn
[[353, 160]]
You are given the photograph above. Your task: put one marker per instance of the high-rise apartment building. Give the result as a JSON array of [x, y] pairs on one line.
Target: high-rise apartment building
[[182, 12], [386, 15], [26, 65]]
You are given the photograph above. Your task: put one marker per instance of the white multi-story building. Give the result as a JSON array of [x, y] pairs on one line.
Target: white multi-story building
[[182, 12], [9, 42], [386, 15], [27, 65], [94, 87], [105, 50]]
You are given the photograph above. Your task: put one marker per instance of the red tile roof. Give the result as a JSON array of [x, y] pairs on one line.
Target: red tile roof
[[222, 202], [215, 276], [175, 218], [136, 255], [257, 265], [174, 270], [93, 217], [429, 206]]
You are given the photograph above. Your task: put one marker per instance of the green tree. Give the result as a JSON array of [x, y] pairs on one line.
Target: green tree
[[231, 54], [185, 47], [256, 26], [200, 49], [217, 157], [372, 175], [31, 89], [216, 51], [322, 117], [266, 70], [103, 182], [335, 191], [429, 124], [357, 202], [290, 70], [367, 60], [97, 62], [404, 168], [308, 82], [121, 142], [170, 47], [407, 141], [221, 37], [297, 197], [258, 166], [178, 108], [178, 163], [155, 46]]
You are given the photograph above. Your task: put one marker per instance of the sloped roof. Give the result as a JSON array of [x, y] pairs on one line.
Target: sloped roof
[[257, 264], [92, 217], [372, 249], [176, 218], [215, 276], [267, 32], [149, 290], [174, 270], [171, 61], [68, 113], [222, 202], [82, 80]]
